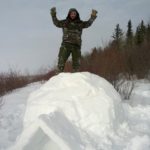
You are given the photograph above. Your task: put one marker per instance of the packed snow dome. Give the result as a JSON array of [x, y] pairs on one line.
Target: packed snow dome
[[89, 101], [78, 111]]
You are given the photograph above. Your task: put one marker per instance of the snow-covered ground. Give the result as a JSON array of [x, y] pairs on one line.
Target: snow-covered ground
[[12, 110], [79, 111]]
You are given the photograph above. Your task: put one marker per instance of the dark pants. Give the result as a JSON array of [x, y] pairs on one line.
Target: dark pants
[[65, 50]]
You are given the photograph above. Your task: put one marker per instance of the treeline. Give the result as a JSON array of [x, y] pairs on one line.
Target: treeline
[[134, 48], [130, 39], [127, 55]]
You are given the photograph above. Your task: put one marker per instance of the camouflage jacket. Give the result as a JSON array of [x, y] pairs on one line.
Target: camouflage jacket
[[72, 30]]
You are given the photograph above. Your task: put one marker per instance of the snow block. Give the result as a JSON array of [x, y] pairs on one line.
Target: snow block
[[64, 133], [53, 131]]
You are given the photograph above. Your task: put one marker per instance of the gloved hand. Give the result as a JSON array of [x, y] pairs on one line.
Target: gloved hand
[[94, 12], [53, 11]]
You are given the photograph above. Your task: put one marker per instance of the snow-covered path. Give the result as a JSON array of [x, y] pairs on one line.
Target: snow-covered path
[[79, 111]]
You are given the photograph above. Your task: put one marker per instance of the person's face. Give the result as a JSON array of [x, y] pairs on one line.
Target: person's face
[[73, 15]]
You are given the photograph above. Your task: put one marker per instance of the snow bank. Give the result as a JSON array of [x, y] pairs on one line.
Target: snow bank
[[141, 93]]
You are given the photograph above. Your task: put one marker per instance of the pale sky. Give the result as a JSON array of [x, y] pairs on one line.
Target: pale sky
[[29, 41]]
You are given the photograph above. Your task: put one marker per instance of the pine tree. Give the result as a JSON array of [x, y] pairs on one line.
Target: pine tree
[[129, 35], [138, 39], [148, 33], [118, 36], [140, 33], [143, 30]]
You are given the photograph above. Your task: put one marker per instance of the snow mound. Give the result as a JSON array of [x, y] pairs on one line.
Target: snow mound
[[87, 100], [71, 109]]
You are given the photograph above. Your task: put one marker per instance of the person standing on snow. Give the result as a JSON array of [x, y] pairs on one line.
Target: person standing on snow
[[71, 43]]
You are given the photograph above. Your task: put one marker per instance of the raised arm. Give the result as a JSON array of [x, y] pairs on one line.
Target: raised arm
[[57, 23], [86, 24]]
